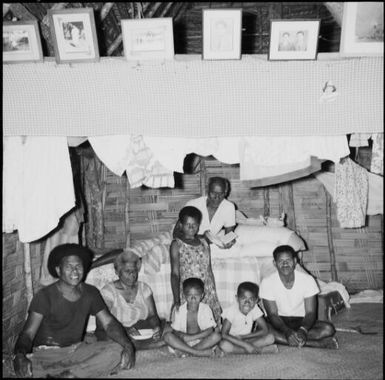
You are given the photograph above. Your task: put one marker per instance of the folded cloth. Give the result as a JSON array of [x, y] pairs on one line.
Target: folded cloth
[[368, 295], [332, 286]]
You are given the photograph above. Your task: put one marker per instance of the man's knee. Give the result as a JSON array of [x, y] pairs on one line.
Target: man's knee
[[329, 329], [225, 346], [168, 336], [270, 338], [325, 329], [216, 336]]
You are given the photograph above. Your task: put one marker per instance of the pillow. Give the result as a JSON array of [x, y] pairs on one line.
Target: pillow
[[248, 234], [257, 249]]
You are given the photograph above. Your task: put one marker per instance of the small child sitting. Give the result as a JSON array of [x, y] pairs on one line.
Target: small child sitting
[[193, 329], [238, 334]]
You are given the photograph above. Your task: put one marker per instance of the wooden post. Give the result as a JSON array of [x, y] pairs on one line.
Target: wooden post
[[287, 201], [266, 202], [329, 226], [203, 175], [127, 213], [28, 272]]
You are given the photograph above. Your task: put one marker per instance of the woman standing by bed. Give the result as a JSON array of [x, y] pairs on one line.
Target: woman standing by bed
[[190, 257], [217, 212]]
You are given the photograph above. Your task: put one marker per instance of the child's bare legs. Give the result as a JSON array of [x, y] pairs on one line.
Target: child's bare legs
[[263, 344], [209, 341], [178, 343]]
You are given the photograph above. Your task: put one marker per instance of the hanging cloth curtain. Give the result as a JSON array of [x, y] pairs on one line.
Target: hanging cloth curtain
[[37, 185]]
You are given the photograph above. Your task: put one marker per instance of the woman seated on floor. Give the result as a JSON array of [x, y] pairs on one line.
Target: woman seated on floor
[[132, 303]]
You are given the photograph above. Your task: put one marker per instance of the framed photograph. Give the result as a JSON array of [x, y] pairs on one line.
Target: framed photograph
[[362, 31], [150, 38], [74, 35], [293, 39], [21, 42], [222, 33]]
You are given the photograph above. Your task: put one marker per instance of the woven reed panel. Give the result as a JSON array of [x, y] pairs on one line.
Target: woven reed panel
[[359, 252], [13, 282], [156, 210], [114, 211]]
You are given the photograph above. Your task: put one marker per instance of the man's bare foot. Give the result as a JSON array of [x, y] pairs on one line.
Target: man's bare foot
[[270, 349], [177, 353], [331, 343], [217, 352]]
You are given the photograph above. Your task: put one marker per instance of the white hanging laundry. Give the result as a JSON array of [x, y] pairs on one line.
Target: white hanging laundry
[[228, 150], [130, 153], [170, 152], [113, 151], [262, 157], [37, 184], [359, 139]]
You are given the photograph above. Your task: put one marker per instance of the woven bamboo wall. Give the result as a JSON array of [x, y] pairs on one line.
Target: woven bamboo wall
[[14, 289], [142, 213]]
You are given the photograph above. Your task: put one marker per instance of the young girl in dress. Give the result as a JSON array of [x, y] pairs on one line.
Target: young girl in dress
[[190, 257]]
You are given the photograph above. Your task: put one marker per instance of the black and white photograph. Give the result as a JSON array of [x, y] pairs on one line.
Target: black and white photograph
[[75, 35], [193, 190], [148, 39], [362, 29], [21, 42], [293, 39], [222, 33]]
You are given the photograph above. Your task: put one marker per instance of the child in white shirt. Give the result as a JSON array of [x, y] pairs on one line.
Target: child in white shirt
[[193, 329], [238, 334]]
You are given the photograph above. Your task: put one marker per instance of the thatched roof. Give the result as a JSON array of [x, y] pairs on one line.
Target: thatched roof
[[187, 19]]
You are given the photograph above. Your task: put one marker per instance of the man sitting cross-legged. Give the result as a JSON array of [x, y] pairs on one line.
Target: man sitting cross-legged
[[51, 342], [290, 299]]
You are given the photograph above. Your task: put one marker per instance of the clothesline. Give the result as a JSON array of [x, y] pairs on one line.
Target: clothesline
[[38, 181]]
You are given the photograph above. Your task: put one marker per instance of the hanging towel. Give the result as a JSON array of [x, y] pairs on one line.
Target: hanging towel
[[37, 184], [351, 193]]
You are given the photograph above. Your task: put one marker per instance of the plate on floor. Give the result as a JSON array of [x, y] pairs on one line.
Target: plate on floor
[[144, 334]]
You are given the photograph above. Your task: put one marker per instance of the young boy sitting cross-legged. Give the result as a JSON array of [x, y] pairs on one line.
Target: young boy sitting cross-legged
[[238, 334], [193, 329]]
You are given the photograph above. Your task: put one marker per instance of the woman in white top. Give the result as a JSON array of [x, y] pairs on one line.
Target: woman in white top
[[131, 302]]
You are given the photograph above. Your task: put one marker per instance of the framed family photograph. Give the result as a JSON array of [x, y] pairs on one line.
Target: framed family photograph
[[21, 42], [74, 35], [145, 39], [293, 39], [222, 33], [362, 31]]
